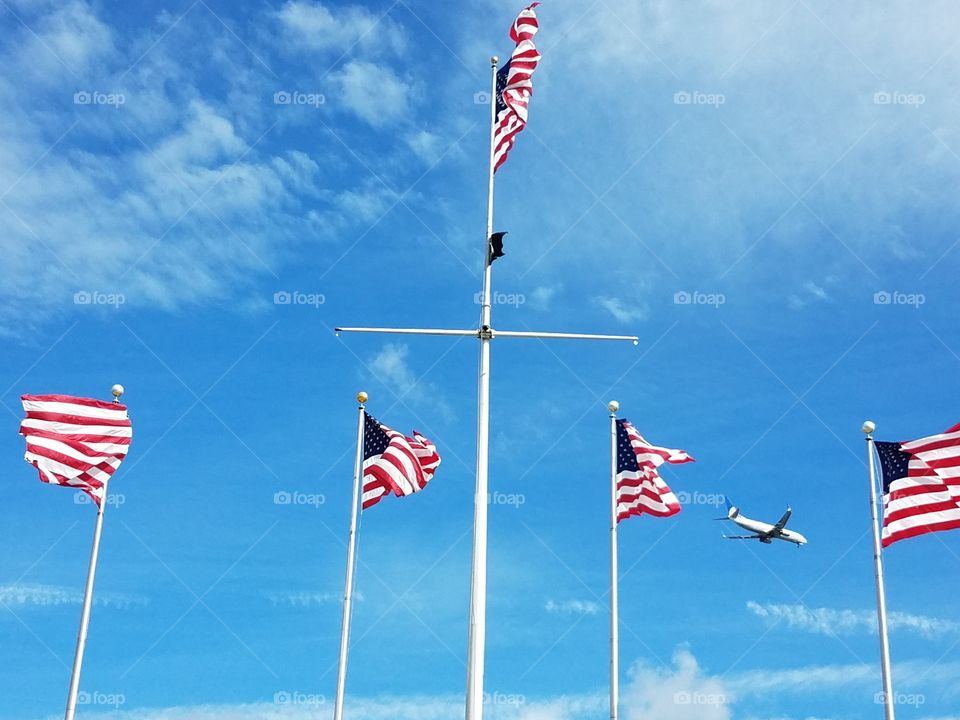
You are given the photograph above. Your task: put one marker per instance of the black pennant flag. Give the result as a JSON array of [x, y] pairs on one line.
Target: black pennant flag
[[496, 246]]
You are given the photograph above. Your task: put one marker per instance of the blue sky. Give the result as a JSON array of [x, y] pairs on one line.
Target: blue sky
[[763, 192]]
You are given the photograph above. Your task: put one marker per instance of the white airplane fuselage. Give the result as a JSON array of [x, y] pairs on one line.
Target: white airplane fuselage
[[767, 530]]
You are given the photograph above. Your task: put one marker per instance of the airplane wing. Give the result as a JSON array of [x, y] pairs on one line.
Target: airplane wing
[[781, 523], [742, 537]]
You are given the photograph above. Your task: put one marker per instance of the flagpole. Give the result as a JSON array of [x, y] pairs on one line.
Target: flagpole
[[888, 697], [476, 634], [351, 562], [70, 713], [614, 580]]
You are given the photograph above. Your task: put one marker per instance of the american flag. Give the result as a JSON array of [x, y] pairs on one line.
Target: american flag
[[515, 85], [640, 489], [921, 485], [76, 442], [392, 461]]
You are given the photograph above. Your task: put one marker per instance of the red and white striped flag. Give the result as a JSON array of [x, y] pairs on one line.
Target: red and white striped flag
[[921, 485], [640, 489], [394, 462], [76, 442], [515, 85]]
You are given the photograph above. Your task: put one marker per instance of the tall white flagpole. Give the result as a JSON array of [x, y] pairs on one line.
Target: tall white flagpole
[[351, 563], [888, 697], [614, 580], [476, 634], [476, 637], [116, 391]]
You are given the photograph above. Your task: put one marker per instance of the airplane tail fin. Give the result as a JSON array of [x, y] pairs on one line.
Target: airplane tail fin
[[732, 512]]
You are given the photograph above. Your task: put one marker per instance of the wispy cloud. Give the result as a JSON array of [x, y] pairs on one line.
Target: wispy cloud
[[317, 26], [374, 92], [307, 599], [621, 311], [810, 293], [51, 596], [832, 621], [119, 170], [572, 607], [391, 366], [682, 690]]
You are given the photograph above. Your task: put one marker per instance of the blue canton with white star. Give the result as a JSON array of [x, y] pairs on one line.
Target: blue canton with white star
[[502, 74], [375, 440], [626, 456], [894, 463]]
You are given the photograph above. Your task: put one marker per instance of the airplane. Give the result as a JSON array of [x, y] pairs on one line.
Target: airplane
[[764, 532]]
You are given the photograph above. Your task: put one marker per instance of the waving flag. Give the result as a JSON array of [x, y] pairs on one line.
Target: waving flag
[[515, 85], [640, 489], [394, 462], [77, 442], [921, 485]]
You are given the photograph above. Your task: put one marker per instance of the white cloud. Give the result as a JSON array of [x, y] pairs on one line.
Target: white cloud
[[811, 293], [391, 367], [426, 145], [541, 297], [648, 694], [315, 26], [621, 311], [70, 40], [390, 364], [683, 692], [51, 596], [831, 621], [168, 199], [572, 607], [307, 599], [373, 92]]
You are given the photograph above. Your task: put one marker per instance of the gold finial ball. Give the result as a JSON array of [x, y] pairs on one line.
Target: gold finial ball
[[868, 427], [362, 397], [613, 406], [494, 59], [117, 391]]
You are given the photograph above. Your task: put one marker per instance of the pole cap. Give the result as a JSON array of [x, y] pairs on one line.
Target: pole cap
[[613, 406], [116, 391], [868, 427], [362, 397], [494, 59]]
